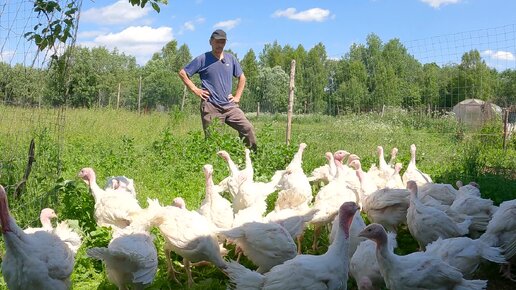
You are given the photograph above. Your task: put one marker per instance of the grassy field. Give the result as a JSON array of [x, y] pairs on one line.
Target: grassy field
[[164, 154]]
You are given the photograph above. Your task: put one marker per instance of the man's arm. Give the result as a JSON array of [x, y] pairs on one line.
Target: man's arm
[[203, 94], [240, 88]]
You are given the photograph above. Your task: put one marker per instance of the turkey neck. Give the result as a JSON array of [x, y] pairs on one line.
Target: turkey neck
[[95, 189], [5, 218], [412, 163], [383, 254], [381, 159], [340, 245], [297, 160]]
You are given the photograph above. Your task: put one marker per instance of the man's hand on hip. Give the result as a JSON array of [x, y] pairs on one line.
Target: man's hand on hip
[[233, 99], [203, 94]]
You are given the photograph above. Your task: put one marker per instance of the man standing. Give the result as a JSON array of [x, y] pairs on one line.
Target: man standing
[[216, 69]]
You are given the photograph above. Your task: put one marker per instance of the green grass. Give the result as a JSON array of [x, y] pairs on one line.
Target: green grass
[[164, 154]]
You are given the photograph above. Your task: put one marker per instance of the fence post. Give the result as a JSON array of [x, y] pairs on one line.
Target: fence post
[[505, 128], [184, 98], [291, 99], [139, 94], [257, 109], [118, 96]]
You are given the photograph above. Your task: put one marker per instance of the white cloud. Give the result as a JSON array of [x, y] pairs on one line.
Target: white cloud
[[138, 41], [191, 25], [314, 14], [499, 55], [6, 55], [438, 3], [228, 24], [89, 34], [120, 12]]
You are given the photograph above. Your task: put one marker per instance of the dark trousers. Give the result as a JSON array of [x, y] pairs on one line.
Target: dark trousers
[[233, 117]]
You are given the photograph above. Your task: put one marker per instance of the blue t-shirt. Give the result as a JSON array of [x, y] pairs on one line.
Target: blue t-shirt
[[216, 75]]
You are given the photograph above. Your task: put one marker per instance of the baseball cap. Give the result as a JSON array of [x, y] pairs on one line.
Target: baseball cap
[[218, 34]]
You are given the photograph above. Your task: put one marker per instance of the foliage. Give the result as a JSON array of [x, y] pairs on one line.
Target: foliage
[[61, 29]]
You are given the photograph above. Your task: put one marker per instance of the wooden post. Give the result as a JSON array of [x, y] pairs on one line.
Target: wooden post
[[139, 94], [118, 97], [257, 109], [184, 98], [291, 99], [505, 128]]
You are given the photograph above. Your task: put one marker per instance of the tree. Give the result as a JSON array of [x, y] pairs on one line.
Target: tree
[[475, 79], [271, 55], [352, 92], [315, 76], [250, 68], [162, 85], [430, 84], [506, 93], [273, 89]]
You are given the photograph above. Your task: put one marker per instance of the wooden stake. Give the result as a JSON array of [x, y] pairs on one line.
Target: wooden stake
[[118, 97], [505, 128], [291, 99], [139, 94]]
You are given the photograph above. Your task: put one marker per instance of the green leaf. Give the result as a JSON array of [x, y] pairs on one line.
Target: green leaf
[[156, 7]]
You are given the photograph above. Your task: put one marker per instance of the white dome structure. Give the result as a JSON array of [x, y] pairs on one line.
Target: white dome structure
[[474, 112]]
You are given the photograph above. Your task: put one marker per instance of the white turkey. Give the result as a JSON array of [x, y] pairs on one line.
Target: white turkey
[[357, 225], [254, 194], [131, 258], [472, 188], [33, 261], [501, 232], [387, 207], [412, 172], [265, 244], [188, 234], [395, 180], [394, 154], [296, 191], [121, 184], [214, 207], [426, 224], [63, 230], [327, 271], [418, 270], [363, 266], [437, 194], [383, 172], [112, 208], [326, 172], [367, 184], [481, 210], [464, 253], [327, 200], [45, 217], [236, 176], [293, 221]]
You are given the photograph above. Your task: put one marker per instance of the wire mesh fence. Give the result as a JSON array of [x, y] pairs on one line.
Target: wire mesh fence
[[423, 79]]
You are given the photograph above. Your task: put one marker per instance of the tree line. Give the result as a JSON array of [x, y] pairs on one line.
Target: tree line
[[368, 77]]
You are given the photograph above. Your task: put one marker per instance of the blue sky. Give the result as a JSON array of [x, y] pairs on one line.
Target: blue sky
[[432, 30]]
